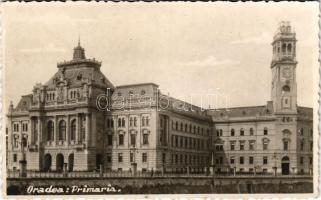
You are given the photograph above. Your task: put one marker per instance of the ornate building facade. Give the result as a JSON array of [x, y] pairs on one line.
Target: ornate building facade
[[79, 121]]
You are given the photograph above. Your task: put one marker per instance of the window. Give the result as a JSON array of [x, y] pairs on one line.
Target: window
[[50, 131], [251, 145], [301, 131], [311, 160], [265, 131], [133, 139], [119, 122], [135, 121], [73, 130], [251, 131], [265, 143], [24, 141], [15, 158], [232, 146], [251, 160], [131, 157], [242, 145], [143, 121], [147, 121], [232, 132], [302, 145], [110, 140], [285, 145], [241, 160], [301, 160], [131, 122], [120, 157], [121, 139], [145, 138], [311, 146], [62, 130], [24, 127], [123, 122], [265, 160], [109, 157], [182, 126], [164, 158], [232, 160], [242, 132], [219, 147], [144, 157]]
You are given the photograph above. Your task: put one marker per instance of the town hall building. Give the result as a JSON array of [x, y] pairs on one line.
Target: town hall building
[[80, 121]]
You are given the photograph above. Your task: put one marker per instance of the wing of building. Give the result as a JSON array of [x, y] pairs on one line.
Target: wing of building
[[79, 121]]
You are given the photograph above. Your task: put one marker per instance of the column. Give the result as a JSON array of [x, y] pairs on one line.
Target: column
[[39, 132], [77, 129], [56, 131], [87, 135], [67, 131]]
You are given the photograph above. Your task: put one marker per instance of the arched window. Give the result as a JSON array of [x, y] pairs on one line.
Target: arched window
[[285, 145], [131, 121], [190, 128], [62, 130], [283, 48], [185, 127], [176, 126], [182, 126], [289, 48], [147, 121], [232, 132], [265, 131], [143, 121], [241, 132], [50, 131], [73, 130], [135, 121], [265, 143], [251, 131], [119, 122], [123, 122], [301, 131]]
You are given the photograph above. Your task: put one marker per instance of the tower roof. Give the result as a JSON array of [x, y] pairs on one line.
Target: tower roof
[[79, 52]]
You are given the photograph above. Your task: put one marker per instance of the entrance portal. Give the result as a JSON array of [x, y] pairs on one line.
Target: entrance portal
[[285, 165], [59, 162], [47, 162]]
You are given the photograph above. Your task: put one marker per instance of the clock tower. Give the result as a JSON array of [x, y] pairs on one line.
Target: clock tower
[[283, 65]]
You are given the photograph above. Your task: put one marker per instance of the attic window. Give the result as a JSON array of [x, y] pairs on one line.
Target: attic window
[[267, 111], [79, 77], [24, 103], [222, 114], [143, 92], [244, 113], [131, 92], [119, 94]]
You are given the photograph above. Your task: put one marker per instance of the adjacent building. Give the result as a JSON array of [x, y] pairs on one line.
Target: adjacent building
[[80, 121]]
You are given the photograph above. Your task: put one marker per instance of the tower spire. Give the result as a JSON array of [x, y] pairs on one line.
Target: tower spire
[[79, 52]]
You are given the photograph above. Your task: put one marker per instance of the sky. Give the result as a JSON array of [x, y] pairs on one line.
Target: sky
[[191, 50]]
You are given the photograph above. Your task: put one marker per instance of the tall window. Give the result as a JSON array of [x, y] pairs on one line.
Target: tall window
[[145, 138], [131, 157], [110, 139], [301, 131], [251, 145], [121, 139], [120, 157], [232, 132], [265, 160], [242, 144], [73, 130], [143, 121], [265, 131], [232, 146], [241, 160], [62, 130], [251, 131], [242, 132], [133, 139], [265, 144], [50, 131], [302, 145], [144, 157], [285, 145], [123, 122], [251, 160]]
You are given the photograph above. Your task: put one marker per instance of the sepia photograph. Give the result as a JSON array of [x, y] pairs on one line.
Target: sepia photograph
[[206, 99]]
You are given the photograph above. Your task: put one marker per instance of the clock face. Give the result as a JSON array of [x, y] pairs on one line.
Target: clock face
[[286, 72]]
